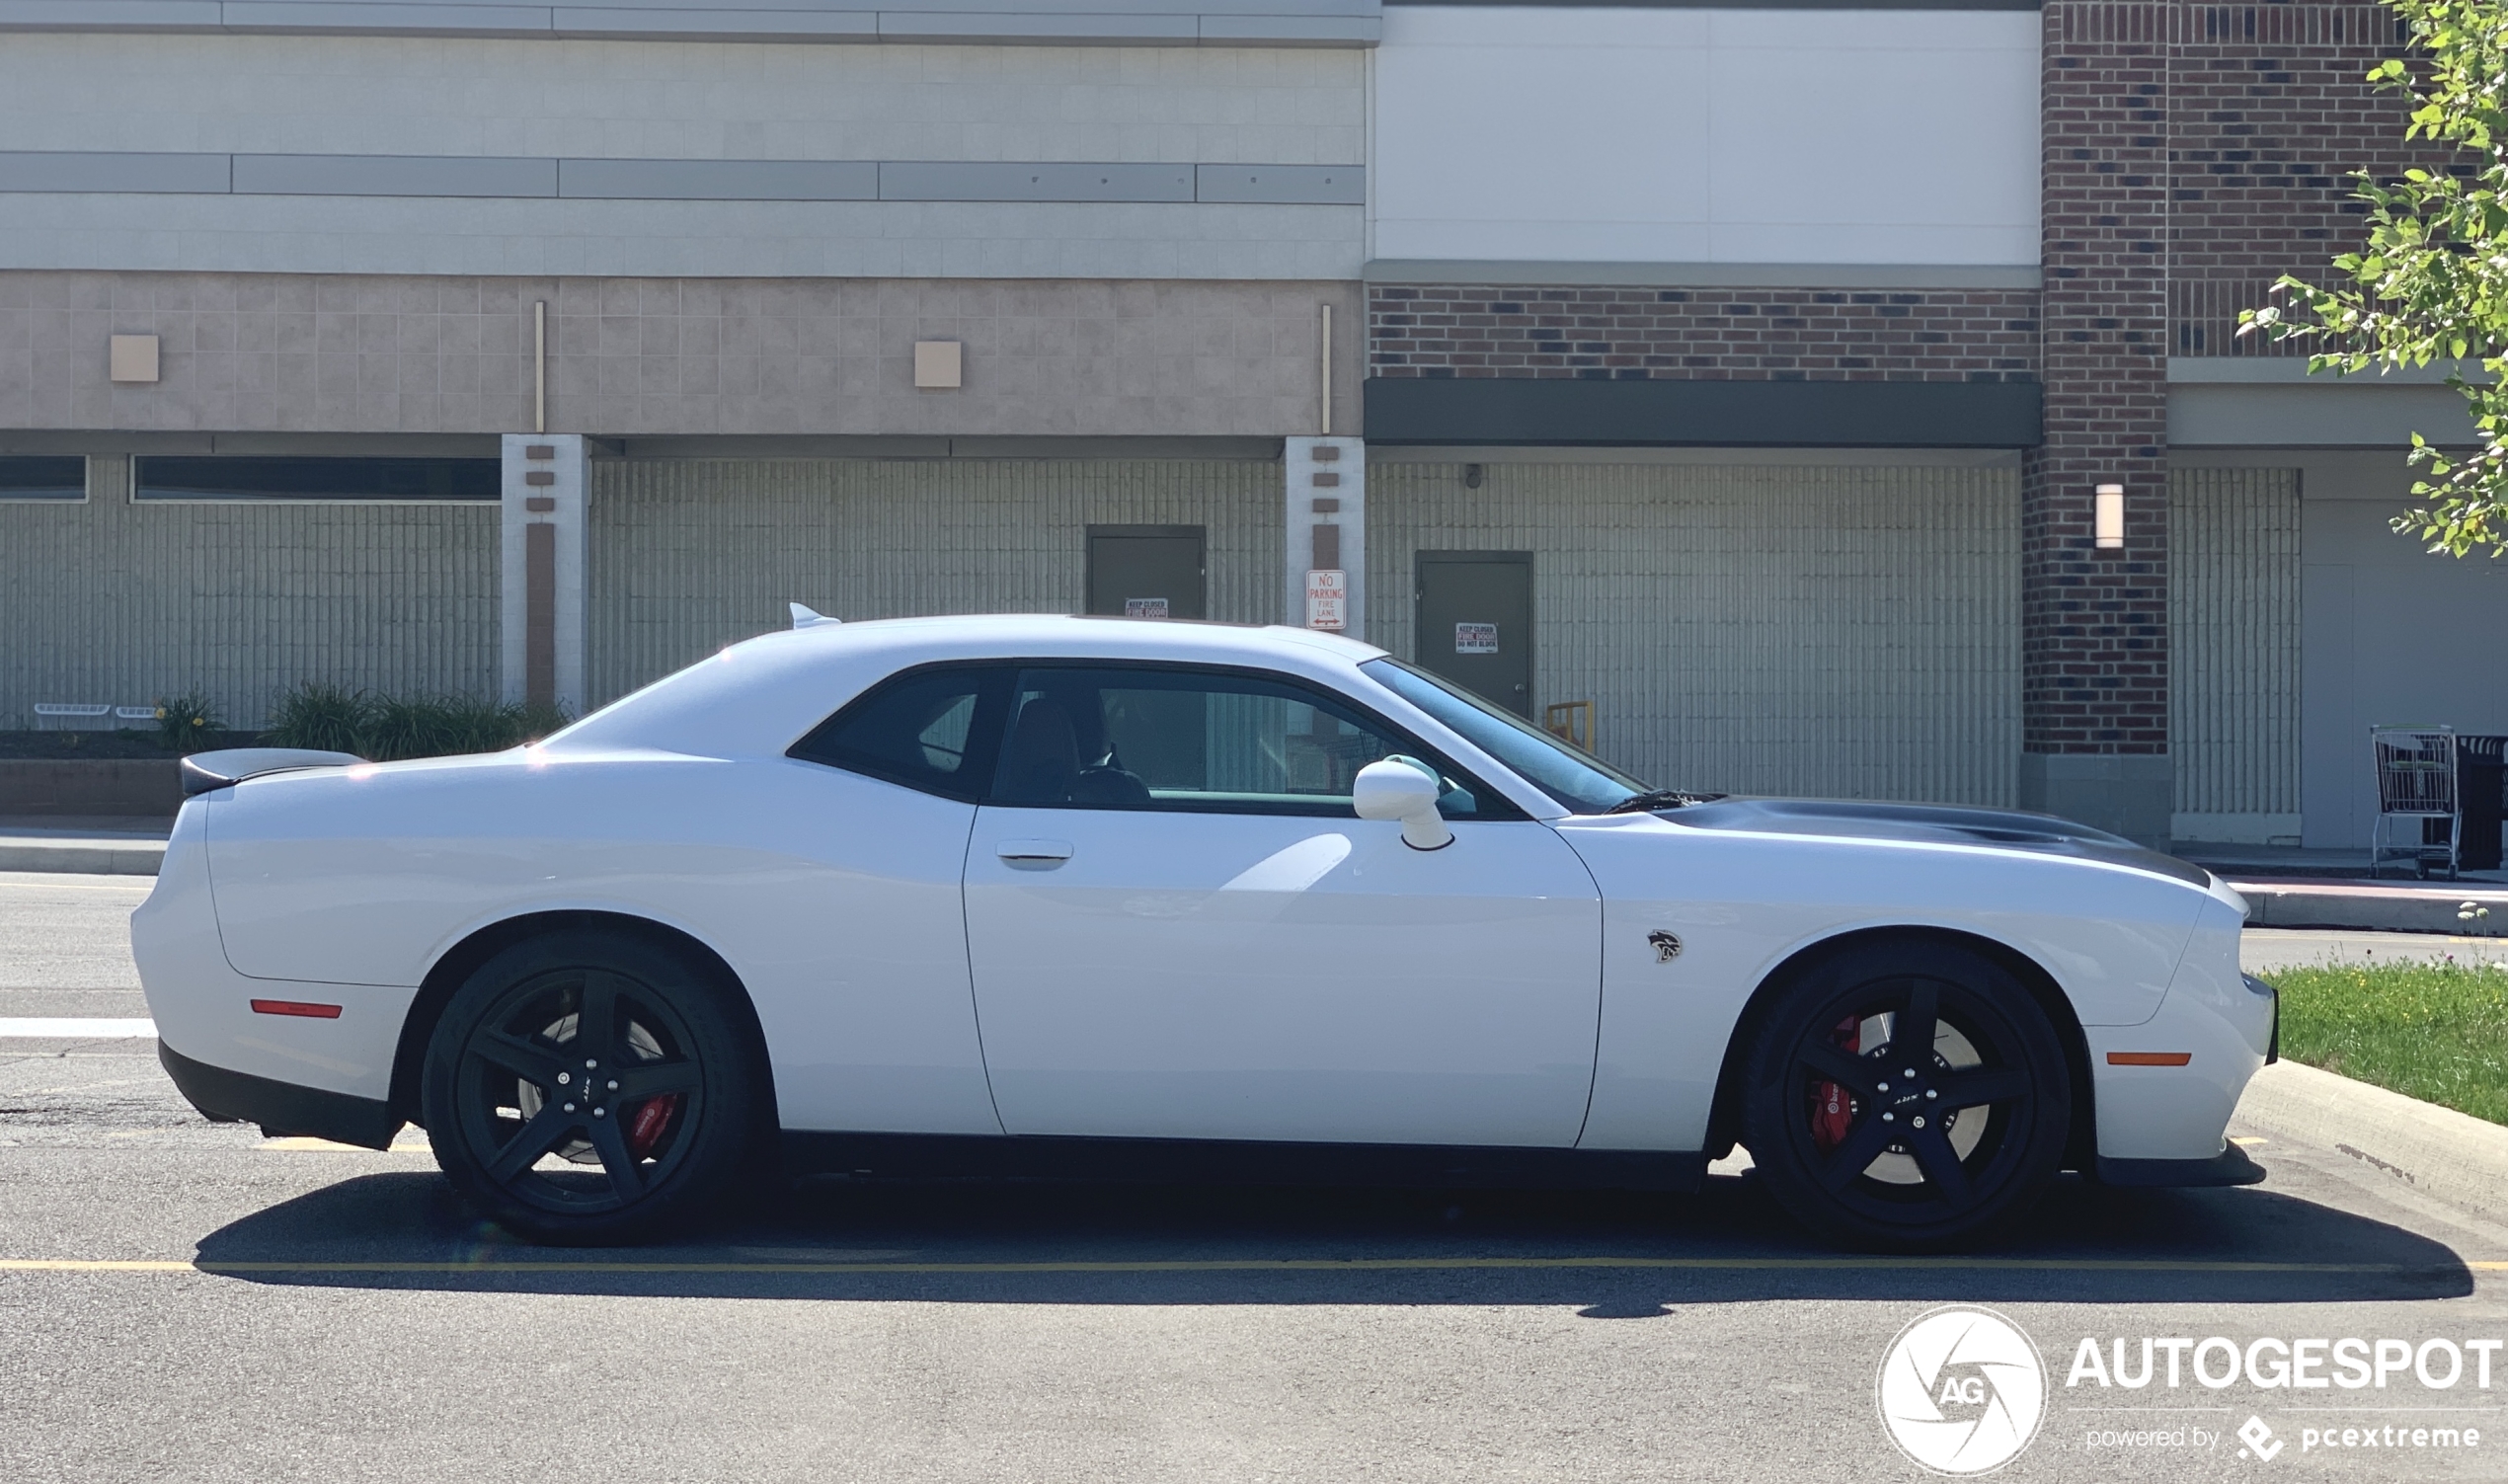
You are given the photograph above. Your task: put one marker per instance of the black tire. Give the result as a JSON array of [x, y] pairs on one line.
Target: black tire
[[1862, 1152], [510, 1061]]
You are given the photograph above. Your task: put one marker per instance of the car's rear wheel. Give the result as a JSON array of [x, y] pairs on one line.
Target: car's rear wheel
[[1907, 1095], [583, 1087]]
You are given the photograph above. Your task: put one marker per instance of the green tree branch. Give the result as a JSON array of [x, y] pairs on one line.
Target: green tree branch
[[2432, 283]]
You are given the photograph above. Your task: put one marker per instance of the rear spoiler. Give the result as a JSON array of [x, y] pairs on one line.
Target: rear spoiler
[[204, 771]]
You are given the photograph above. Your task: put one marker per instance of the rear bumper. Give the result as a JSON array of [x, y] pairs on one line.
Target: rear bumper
[[280, 1108]]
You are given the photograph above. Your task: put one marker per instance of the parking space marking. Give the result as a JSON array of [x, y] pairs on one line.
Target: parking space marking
[[1252, 1265], [74, 1028]]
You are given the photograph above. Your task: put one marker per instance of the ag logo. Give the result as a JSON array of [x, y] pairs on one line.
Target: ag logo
[[1962, 1390]]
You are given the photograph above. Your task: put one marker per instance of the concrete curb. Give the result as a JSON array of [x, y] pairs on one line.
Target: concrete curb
[[2437, 1151], [83, 857], [2364, 908]]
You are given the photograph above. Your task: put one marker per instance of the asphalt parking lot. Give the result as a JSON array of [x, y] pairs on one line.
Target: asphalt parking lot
[[185, 1300]]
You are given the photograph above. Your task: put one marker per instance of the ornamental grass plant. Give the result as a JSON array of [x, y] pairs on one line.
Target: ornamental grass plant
[[386, 729], [187, 722]]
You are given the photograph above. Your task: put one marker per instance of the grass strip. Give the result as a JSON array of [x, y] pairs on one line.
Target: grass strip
[[2437, 1032]]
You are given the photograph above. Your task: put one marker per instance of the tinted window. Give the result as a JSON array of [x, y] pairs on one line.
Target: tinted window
[[227, 477], [43, 477], [1582, 782], [1204, 741], [932, 730]]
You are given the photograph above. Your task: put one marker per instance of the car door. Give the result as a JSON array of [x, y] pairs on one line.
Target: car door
[[1178, 928]]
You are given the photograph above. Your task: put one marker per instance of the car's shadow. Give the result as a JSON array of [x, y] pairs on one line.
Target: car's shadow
[[1611, 1255]]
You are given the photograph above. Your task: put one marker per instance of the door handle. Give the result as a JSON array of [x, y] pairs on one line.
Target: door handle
[[1034, 852]]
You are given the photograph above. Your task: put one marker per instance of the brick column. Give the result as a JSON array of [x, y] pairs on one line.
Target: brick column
[[2094, 624]]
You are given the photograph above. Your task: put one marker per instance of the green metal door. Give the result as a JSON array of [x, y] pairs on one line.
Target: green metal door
[[1146, 571], [1475, 622]]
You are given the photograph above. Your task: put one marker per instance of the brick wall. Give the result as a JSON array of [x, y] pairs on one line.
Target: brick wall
[[1702, 333], [2094, 641], [2193, 153], [2268, 115]]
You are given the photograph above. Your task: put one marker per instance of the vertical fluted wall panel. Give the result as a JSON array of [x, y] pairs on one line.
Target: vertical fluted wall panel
[[1841, 632], [688, 555], [2233, 624], [111, 602]]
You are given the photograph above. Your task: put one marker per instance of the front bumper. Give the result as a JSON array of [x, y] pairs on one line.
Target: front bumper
[[2272, 1047], [280, 1108], [2231, 1166]]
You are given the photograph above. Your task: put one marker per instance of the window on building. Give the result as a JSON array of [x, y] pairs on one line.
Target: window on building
[[387, 478], [44, 477]]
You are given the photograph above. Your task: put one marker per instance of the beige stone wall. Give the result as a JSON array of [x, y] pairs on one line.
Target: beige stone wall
[[369, 354]]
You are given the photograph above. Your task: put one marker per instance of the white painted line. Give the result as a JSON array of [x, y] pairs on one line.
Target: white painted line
[[66, 1028]]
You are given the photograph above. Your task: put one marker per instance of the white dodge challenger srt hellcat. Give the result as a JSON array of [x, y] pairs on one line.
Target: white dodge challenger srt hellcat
[[1176, 899]]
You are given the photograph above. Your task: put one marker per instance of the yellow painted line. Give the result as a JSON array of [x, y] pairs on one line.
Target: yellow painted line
[[1252, 1265]]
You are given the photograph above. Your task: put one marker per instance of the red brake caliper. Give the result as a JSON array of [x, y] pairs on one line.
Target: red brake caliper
[[1831, 1115], [653, 1116]]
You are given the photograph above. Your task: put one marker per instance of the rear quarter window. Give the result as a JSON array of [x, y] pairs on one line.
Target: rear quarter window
[[932, 730]]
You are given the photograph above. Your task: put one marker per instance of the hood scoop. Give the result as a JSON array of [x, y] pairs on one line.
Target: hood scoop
[[1939, 823]]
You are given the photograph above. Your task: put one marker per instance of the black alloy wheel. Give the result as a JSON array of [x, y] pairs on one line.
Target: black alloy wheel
[[1907, 1095], [585, 1088]]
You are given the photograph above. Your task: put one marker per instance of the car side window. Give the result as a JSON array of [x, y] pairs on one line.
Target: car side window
[[931, 729], [1200, 741]]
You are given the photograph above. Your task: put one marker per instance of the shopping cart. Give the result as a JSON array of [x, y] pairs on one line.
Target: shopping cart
[[2417, 796]]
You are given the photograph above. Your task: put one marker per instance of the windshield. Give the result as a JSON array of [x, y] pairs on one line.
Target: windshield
[[1583, 783]]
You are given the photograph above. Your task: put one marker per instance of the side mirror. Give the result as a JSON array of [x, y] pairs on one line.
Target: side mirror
[[1398, 787]]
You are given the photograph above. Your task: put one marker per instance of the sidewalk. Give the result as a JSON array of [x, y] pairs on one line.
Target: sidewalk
[[84, 844], [2306, 863], [2464, 908]]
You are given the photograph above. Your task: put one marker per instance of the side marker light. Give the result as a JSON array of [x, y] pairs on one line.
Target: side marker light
[[2148, 1059], [305, 1008]]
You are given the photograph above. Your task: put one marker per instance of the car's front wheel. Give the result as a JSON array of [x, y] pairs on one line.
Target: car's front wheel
[[583, 1087], [1908, 1096]]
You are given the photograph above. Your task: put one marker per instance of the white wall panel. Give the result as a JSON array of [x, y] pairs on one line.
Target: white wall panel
[[609, 239], [670, 100], [2233, 572], [1707, 135], [1832, 631], [695, 99], [692, 555]]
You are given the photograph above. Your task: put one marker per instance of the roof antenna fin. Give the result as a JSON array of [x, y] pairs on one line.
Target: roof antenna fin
[[804, 617]]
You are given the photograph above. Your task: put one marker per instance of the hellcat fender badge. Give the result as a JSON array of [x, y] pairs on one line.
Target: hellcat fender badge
[[1667, 945]]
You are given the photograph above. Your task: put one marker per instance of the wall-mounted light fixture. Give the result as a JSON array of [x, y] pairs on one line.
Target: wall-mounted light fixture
[[1472, 476], [2107, 518]]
